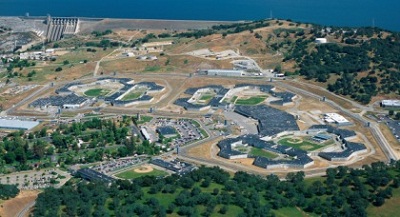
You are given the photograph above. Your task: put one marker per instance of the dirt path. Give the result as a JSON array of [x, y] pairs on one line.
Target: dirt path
[[12, 207]]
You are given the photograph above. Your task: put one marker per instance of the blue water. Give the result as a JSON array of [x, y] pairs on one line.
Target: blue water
[[383, 13]]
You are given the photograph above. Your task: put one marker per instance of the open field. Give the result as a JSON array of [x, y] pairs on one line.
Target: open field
[[254, 100], [299, 144], [13, 206], [96, 92], [262, 153], [139, 172]]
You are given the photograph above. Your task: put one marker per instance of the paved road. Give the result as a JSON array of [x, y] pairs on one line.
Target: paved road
[[25, 211]]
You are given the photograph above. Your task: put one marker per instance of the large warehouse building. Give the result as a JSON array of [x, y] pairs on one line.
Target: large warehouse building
[[390, 103], [225, 72], [13, 124]]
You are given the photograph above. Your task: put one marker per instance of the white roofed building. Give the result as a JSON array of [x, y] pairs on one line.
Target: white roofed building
[[321, 40], [15, 124], [336, 119], [390, 103]]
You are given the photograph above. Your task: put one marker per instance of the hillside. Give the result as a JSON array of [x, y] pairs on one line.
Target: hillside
[[359, 63]]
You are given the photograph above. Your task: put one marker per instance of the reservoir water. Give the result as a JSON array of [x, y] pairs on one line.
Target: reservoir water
[[354, 13]]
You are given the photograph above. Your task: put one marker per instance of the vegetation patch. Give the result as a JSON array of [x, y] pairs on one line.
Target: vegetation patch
[[255, 100], [206, 97], [262, 153], [233, 100], [152, 68], [390, 208], [299, 144], [132, 95], [96, 92], [143, 119], [213, 192]]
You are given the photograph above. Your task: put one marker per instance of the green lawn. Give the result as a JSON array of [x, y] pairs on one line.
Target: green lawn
[[233, 210], [131, 174], [132, 96], [165, 199], [234, 99], [96, 92], [389, 208], [251, 101], [304, 145], [203, 133], [262, 153], [288, 212], [144, 119], [206, 97]]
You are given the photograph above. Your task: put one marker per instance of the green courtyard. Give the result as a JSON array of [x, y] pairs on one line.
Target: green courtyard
[[300, 143], [96, 92], [254, 100], [262, 153]]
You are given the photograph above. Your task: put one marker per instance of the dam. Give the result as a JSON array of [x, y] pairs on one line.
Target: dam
[[61, 27]]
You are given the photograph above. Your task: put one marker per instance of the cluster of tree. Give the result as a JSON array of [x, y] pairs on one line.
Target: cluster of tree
[[84, 142], [208, 191], [224, 29], [18, 63], [104, 43], [8, 191], [98, 34], [31, 74], [378, 56], [91, 50], [4, 29], [395, 116]]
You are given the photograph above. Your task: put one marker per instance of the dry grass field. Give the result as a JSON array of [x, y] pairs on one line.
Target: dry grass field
[[12, 207]]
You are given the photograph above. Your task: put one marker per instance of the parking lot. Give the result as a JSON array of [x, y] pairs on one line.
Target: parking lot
[[111, 167], [186, 129], [36, 179], [394, 125]]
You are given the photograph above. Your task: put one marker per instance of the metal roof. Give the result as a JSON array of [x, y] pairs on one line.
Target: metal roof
[[17, 124]]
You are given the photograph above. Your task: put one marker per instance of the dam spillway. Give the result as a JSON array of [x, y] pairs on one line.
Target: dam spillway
[[59, 27]]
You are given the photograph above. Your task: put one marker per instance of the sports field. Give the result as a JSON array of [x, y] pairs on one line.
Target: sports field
[[145, 170], [299, 143], [96, 92], [254, 100]]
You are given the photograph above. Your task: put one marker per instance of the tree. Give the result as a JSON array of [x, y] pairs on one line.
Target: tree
[[391, 112], [223, 210], [8, 191], [9, 158], [39, 148], [397, 117], [58, 69]]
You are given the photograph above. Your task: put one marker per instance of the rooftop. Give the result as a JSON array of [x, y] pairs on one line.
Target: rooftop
[[17, 124], [271, 120]]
